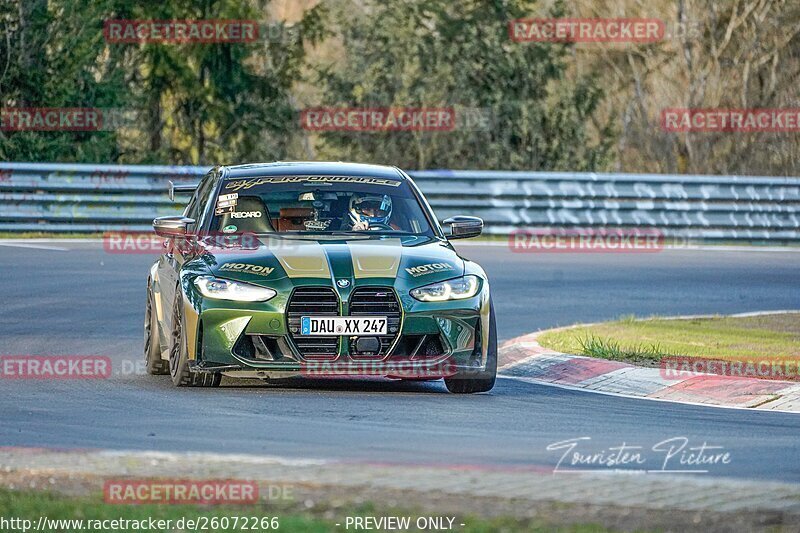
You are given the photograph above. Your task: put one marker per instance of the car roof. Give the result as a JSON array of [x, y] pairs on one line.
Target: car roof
[[311, 168]]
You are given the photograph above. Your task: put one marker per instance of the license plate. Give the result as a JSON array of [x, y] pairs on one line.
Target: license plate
[[343, 325]]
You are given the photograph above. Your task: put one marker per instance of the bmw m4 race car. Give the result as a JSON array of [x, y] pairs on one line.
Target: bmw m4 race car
[[316, 269]]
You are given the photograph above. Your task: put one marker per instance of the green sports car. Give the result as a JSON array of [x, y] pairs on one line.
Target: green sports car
[[317, 270]]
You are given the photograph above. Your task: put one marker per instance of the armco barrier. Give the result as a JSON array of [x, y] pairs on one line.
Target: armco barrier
[[94, 198]]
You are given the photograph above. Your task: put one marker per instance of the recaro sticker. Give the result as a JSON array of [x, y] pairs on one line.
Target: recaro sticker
[[246, 214], [430, 268], [246, 268]]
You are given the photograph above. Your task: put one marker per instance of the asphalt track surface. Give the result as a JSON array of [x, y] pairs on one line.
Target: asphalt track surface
[[85, 301]]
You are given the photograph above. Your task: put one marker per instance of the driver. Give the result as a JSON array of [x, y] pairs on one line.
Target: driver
[[370, 211]]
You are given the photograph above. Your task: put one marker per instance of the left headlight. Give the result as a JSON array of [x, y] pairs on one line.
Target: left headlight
[[225, 289], [453, 289]]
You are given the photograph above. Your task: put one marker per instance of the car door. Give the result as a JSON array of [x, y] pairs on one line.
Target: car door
[[177, 253]]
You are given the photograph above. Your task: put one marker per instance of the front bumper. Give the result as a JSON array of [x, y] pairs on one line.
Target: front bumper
[[253, 340]]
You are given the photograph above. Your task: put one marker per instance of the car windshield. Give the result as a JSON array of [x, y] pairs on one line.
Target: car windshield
[[318, 204]]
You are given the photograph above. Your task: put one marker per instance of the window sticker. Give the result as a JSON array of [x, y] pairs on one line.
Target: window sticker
[[249, 183], [226, 203]]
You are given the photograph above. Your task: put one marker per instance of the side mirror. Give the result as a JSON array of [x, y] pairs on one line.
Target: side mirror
[[462, 227], [171, 226]]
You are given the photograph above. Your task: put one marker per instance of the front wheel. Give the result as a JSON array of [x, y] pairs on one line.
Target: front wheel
[[470, 381], [182, 376]]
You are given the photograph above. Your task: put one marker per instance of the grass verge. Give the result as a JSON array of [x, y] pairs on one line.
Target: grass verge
[[774, 337]]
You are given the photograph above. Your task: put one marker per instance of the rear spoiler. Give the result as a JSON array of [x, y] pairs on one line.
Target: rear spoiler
[[181, 188]]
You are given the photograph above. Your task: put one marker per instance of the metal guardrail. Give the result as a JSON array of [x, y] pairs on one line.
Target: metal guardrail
[[56, 197]]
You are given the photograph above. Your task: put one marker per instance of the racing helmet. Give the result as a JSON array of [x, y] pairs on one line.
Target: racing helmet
[[371, 208]]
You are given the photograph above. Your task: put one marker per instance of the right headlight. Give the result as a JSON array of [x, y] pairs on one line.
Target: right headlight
[[452, 289], [238, 291]]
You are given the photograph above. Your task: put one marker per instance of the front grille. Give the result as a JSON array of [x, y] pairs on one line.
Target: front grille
[[316, 301], [377, 301]]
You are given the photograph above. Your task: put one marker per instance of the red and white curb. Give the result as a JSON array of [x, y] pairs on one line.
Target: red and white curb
[[525, 359]]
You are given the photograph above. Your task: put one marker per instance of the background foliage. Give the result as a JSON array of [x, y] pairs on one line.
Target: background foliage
[[528, 106]]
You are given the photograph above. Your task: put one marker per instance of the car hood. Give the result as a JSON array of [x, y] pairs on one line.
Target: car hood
[[413, 259]]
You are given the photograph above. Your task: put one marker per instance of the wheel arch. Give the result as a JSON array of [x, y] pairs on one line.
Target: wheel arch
[[191, 317]]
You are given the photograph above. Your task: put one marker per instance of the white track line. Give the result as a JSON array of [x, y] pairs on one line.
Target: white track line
[[203, 457], [34, 246], [49, 240]]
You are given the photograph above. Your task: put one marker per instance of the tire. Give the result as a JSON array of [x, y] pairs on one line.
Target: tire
[[469, 381], [156, 366], [182, 376]]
